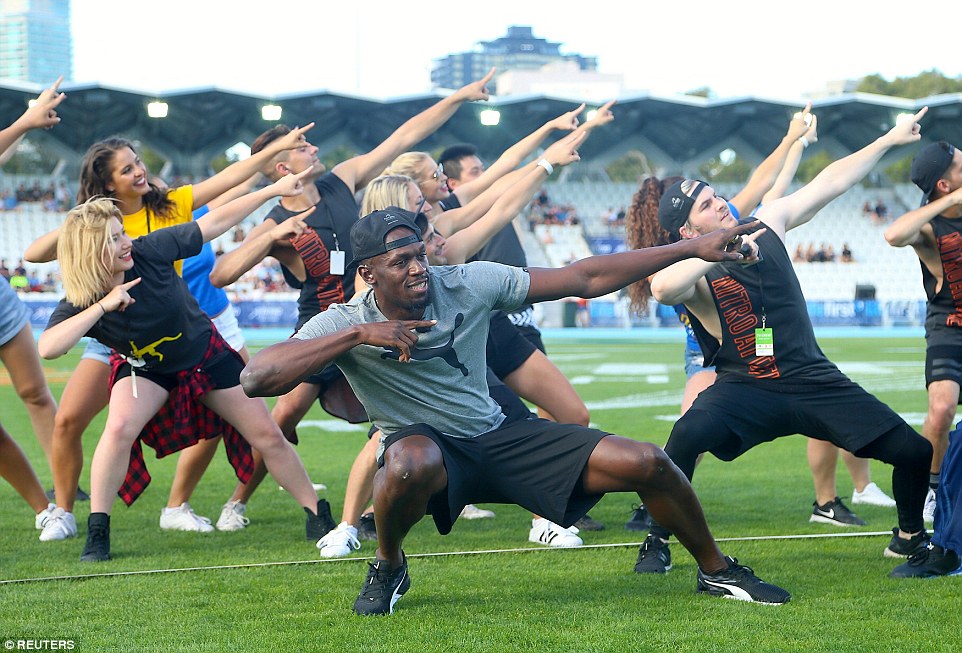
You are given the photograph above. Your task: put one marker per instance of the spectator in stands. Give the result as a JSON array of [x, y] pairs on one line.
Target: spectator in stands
[[4, 270], [869, 212], [799, 255], [846, 254], [18, 351], [112, 168], [934, 231], [881, 211], [777, 381]]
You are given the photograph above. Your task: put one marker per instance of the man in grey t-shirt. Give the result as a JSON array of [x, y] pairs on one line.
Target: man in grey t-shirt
[[413, 349]]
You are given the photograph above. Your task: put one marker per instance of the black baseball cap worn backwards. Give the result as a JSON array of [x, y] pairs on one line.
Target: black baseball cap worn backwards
[[369, 233], [675, 206], [929, 165]]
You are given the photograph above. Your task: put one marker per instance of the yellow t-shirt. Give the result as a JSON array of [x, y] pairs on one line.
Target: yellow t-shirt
[[140, 224]]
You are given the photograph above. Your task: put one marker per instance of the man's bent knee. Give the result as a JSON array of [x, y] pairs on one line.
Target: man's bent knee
[[414, 460]]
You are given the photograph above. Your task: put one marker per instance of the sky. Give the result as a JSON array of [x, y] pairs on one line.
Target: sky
[[382, 49]]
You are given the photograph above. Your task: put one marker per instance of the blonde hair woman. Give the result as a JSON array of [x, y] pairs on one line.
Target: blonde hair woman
[[169, 357]]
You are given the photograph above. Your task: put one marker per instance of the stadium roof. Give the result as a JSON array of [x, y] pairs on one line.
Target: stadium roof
[[675, 132]]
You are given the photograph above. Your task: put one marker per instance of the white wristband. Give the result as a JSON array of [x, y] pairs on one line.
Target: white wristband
[[547, 166], [803, 141]]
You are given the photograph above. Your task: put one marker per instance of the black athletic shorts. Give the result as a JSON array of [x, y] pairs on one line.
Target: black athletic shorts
[[837, 410], [534, 463], [224, 371], [943, 363], [507, 348]]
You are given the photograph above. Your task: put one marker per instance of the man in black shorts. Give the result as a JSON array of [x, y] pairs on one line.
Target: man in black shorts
[[773, 380], [935, 233], [413, 349], [316, 257]]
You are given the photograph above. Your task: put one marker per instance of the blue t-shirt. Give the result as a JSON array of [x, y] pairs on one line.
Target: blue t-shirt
[[212, 300]]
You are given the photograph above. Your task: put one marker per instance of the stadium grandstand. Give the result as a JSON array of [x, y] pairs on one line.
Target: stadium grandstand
[[876, 284]]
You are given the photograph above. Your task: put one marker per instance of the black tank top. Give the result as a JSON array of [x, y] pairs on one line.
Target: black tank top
[[943, 314], [742, 294]]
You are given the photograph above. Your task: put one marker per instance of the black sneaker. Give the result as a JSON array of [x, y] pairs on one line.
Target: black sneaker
[[81, 495], [586, 523], [654, 556], [835, 513], [97, 548], [740, 582], [382, 588], [901, 548], [640, 519], [320, 524], [931, 561], [366, 528]]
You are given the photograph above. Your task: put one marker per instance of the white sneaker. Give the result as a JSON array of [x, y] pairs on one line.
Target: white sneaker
[[471, 511], [873, 496], [183, 518], [44, 515], [59, 526], [928, 512], [339, 542], [232, 517], [550, 534]]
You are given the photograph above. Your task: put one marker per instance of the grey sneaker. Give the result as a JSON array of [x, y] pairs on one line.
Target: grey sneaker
[[232, 517]]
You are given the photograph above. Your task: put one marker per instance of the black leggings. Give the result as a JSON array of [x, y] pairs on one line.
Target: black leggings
[[908, 452]]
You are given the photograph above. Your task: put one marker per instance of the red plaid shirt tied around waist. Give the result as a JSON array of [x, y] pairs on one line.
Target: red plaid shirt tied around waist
[[183, 421]]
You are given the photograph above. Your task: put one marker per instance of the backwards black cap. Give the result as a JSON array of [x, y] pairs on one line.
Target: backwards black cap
[[368, 234], [929, 165], [675, 207]]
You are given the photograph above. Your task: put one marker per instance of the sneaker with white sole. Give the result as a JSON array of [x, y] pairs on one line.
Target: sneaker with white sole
[[43, 516], [900, 547], [551, 534], [836, 513], [339, 542], [873, 495], [183, 518], [928, 511], [232, 517], [59, 526], [740, 582], [471, 511]]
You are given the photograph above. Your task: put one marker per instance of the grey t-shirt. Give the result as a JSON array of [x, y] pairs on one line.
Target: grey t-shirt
[[444, 384]]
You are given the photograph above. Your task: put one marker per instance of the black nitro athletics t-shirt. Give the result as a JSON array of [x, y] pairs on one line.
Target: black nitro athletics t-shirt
[[329, 229], [164, 327]]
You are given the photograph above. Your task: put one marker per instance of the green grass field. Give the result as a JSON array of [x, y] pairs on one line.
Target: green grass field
[[531, 600]]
